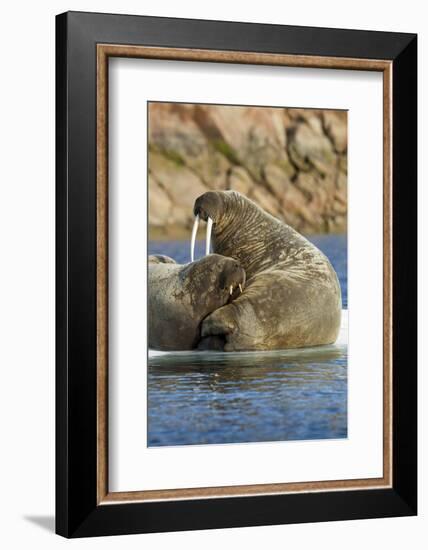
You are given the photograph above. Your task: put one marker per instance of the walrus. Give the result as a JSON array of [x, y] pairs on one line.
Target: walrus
[[161, 259], [181, 296], [292, 297]]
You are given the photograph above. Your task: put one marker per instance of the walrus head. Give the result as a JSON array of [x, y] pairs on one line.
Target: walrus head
[[214, 280], [210, 207], [232, 278], [207, 208]]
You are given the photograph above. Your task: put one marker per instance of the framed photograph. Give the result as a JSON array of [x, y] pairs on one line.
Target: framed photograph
[[236, 274]]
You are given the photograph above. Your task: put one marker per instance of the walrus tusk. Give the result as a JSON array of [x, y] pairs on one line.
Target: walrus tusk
[[240, 287], [231, 290], [208, 239], [193, 240]]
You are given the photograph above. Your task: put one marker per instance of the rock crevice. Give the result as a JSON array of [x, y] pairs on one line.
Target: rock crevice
[[292, 162]]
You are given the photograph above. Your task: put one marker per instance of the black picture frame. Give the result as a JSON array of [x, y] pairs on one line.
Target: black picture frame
[[77, 511]]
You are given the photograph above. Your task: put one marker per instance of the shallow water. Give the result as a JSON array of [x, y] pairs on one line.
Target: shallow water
[[211, 397]]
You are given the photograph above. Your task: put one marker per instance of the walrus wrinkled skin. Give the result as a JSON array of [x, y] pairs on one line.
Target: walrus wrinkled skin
[[292, 297], [181, 296]]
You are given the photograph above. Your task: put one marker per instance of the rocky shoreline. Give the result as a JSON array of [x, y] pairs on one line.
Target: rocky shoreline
[[292, 162]]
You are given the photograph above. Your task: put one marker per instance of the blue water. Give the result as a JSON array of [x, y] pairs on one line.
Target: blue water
[[206, 398]]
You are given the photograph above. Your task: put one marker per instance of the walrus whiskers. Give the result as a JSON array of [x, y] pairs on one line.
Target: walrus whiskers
[[193, 240], [208, 237]]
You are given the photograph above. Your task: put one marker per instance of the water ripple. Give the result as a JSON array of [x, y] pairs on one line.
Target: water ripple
[[210, 397], [200, 398]]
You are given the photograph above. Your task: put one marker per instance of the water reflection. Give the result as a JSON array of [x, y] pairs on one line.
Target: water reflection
[[200, 398]]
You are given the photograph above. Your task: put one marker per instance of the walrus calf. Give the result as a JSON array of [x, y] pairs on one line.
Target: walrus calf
[[181, 296], [292, 297]]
